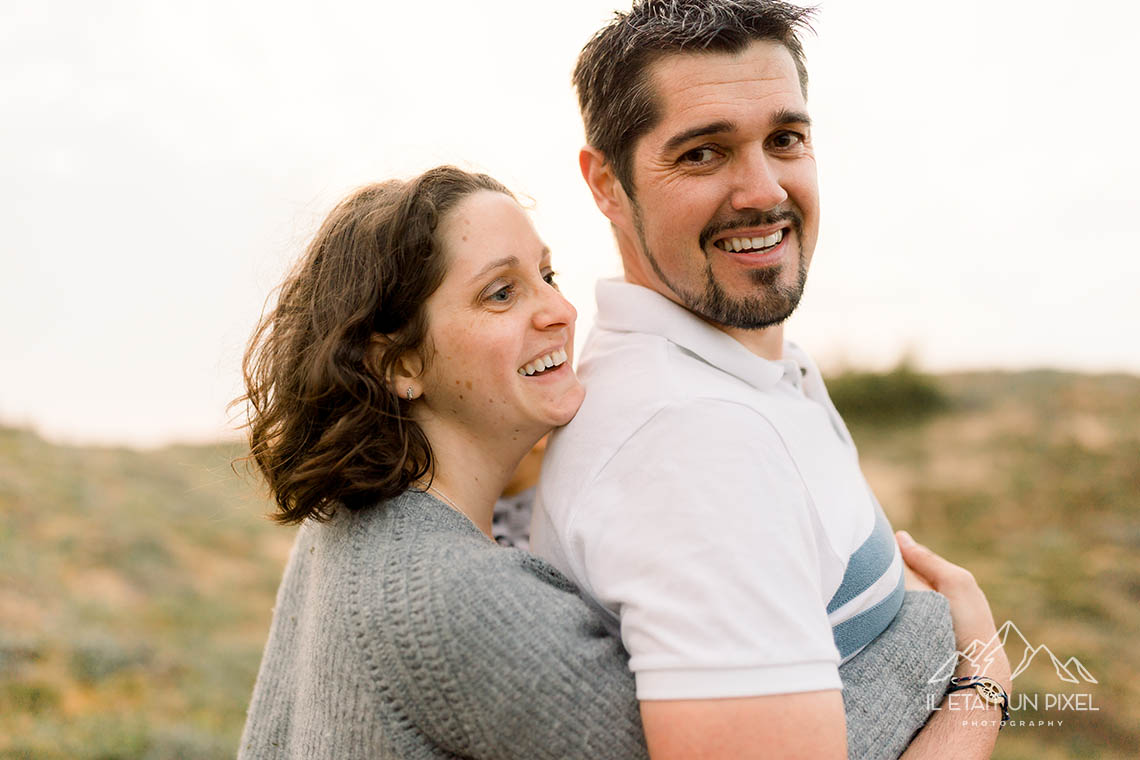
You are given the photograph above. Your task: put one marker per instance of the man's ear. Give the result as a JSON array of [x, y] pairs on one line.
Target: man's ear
[[406, 372], [608, 192]]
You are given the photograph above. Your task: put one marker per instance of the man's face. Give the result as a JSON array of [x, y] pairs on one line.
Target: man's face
[[726, 206]]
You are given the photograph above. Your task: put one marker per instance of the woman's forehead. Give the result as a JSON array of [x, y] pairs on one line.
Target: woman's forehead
[[487, 229]]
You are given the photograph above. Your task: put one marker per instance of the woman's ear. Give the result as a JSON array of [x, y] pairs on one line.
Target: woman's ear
[[405, 374]]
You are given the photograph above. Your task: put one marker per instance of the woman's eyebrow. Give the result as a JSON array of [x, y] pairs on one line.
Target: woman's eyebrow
[[506, 261]]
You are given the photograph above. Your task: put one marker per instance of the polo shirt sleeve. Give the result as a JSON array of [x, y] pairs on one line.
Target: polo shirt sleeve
[[699, 531]]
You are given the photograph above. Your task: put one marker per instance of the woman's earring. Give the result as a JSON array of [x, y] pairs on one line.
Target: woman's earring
[[409, 393]]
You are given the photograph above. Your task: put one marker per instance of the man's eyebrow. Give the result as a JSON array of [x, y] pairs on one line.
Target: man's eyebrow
[[712, 128], [791, 116], [506, 261], [782, 116]]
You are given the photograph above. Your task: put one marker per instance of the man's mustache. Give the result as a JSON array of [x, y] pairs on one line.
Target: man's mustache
[[751, 219]]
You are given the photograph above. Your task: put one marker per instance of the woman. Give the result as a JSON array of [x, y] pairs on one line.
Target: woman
[[414, 356]]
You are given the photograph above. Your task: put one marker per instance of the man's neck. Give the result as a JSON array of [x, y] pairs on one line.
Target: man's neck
[[767, 342]]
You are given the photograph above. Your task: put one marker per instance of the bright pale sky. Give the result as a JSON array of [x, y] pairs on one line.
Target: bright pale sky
[[163, 162]]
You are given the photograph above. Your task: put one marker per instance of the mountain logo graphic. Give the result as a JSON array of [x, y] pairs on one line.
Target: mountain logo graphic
[[980, 655]]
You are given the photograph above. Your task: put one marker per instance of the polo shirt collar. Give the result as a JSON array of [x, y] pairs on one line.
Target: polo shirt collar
[[625, 307]]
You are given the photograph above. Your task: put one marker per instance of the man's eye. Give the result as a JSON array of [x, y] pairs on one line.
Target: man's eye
[[785, 140], [699, 156]]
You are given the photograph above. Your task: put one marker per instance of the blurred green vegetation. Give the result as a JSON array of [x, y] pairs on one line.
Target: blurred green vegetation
[[136, 587], [901, 396], [1032, 481]]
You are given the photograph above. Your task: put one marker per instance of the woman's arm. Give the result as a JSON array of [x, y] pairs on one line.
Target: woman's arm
[[888, 688], [509, 661], [970, 733]]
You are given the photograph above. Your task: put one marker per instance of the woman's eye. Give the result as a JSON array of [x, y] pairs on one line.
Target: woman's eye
[[502, 295], [699, 156], [549, 278]]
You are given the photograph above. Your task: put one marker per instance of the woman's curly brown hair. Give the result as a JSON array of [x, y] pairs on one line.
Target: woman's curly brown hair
[[325, 428]]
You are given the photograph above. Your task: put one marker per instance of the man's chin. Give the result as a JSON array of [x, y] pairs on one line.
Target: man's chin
[[774, 303]]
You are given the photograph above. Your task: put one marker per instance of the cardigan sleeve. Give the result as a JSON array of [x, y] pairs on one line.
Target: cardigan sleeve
[[890, 688], [505, 660]]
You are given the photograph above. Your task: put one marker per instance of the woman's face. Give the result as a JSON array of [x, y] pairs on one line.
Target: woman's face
[[496, 317]]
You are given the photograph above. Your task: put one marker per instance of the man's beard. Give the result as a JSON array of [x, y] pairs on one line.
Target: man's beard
[[774, 303]]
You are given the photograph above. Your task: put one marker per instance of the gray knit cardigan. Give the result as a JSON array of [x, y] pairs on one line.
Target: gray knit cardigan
[[401, 631]]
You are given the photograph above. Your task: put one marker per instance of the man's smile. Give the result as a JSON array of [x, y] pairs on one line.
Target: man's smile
[[750, 241]]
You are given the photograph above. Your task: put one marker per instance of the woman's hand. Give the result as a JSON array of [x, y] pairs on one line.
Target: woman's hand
[[912, 581], [969, 608], [970, 733]]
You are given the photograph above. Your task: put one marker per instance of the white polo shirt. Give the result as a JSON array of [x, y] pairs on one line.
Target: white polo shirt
[[712, 501]]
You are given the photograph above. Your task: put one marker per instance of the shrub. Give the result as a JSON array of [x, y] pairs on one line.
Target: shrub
[[95, 658], [16, 651], [32, 698], [901, 396]]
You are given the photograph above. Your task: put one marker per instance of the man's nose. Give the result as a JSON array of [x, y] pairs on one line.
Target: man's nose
[[758, 182]]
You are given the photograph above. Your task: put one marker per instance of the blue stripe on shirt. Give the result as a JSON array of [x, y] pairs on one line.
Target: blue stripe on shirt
[[868, 563], [856, 632]]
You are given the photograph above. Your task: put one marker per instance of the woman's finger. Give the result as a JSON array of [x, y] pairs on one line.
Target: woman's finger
[[923, 561], [943, 574], [913, 581]]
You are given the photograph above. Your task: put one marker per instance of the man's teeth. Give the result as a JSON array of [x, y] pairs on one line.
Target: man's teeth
[[554, 359], [751, 244]]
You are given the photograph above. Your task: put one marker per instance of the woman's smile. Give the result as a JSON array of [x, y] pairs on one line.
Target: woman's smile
[[502, 332]]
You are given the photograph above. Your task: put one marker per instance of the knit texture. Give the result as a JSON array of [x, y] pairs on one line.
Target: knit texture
[[401, 631], [887, 691]]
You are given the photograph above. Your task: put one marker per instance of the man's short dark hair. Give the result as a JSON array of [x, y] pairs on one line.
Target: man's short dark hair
[[614, 93]]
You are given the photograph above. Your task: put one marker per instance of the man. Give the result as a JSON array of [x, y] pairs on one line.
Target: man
[[708, 496]]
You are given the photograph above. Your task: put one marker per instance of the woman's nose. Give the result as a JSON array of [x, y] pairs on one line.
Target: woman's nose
[[554, 310]]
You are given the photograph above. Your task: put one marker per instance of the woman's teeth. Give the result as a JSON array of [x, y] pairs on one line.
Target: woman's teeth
[[544, 363], [738, 245]]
